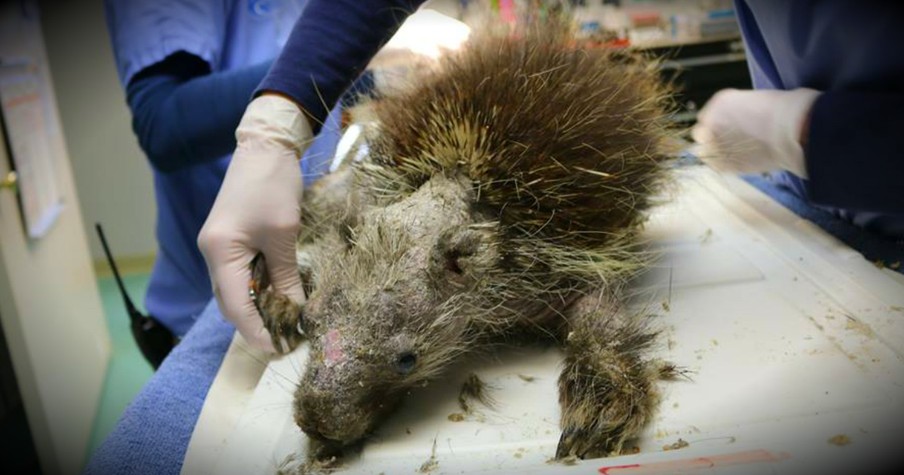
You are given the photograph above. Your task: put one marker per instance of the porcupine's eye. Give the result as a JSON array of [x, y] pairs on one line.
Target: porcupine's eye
[[406, 362]]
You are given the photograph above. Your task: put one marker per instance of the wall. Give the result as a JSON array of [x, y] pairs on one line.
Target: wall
[[50, 307], [112, 177]]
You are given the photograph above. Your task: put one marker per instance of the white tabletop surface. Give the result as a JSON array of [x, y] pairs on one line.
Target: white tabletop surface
[[795, 345]]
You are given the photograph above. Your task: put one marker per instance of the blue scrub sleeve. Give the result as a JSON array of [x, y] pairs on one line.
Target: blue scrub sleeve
[[145, 32], [183, 114], [330, 45], [855, 151]]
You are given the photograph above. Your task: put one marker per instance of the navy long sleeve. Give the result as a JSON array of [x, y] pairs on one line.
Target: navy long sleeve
[[330, 45], [855, 145], [855, 151], [183, 114]]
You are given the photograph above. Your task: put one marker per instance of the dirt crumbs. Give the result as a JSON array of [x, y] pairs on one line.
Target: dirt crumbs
[[474, 389], [859, 327], [680, 444], [431, 464], [456, 417], [839, 440]]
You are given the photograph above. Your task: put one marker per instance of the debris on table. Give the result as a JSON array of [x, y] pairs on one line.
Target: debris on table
[[431, 464], [839, 440], [474, 389], [456, 417], [680, 444]]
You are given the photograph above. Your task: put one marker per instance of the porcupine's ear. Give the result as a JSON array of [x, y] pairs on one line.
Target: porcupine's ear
[[465, 254]]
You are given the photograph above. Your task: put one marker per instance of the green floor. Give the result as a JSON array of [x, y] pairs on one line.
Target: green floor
[[128, 370]]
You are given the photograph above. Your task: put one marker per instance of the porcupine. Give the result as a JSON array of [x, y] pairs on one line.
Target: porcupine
[[503, 193]]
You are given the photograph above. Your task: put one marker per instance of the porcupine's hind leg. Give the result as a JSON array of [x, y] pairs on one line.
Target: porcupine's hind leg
[[280, 314], [607, 387]]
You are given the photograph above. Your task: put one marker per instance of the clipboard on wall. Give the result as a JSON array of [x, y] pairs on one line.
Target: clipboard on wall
[[24, 120]]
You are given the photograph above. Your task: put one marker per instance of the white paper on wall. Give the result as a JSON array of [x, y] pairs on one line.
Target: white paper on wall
[[26, 125]]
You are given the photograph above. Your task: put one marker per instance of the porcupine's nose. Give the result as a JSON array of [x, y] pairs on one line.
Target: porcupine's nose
[[313, 433], [322, 417], [309, 416], [327, 404]]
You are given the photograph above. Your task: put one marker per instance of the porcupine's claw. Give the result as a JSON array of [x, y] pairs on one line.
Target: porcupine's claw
[[590, 442], [570, 443], [282, 317], [582, 443]]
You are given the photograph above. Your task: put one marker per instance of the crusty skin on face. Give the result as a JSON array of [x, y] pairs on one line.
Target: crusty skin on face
[[503, 194]]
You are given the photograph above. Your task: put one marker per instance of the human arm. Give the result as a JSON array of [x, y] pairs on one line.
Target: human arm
[[183, 114], [850, 134], [847, 144], [349, 33], [855, 151], [168, 55], [258, 209]]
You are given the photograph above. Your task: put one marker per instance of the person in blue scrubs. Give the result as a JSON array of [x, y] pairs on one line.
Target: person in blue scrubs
[[189, 69], [828, 107]]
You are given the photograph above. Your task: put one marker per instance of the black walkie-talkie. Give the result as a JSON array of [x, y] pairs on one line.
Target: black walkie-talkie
[[154, 340]]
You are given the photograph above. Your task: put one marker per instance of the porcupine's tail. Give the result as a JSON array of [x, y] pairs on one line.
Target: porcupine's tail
[[565, 145]]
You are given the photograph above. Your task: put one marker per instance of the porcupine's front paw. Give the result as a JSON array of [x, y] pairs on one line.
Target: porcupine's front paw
[[607, 389], [282, 317], [597, 415], [602, 410]]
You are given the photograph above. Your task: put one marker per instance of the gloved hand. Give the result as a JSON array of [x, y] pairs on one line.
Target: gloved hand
[[258, 209], [754, 131]]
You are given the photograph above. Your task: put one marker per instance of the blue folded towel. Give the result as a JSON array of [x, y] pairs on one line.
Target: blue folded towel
[[874, 247], [153, 433]]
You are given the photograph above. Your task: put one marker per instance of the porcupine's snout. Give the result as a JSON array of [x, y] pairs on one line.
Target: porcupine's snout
[[387, 314], [317, 414], [337, 401]]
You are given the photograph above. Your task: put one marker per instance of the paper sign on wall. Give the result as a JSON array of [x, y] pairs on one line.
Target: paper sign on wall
[[25, 123]]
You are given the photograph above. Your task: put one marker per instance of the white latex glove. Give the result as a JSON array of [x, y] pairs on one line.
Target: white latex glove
[[258, 209], [754, 131]]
